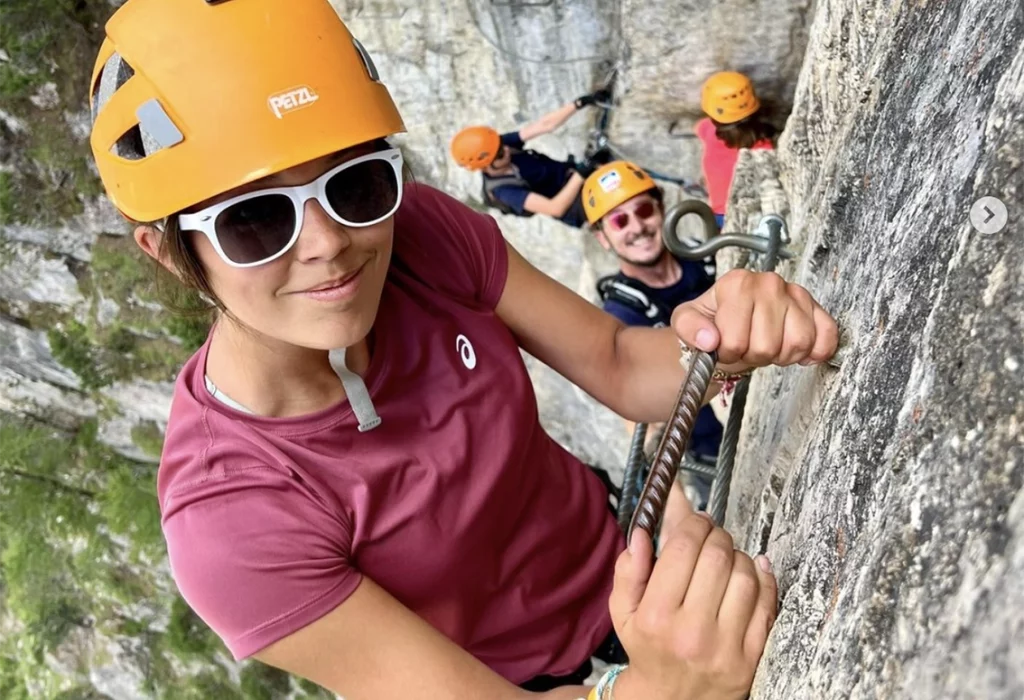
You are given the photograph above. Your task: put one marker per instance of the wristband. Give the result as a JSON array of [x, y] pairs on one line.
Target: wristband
[[605, 688]]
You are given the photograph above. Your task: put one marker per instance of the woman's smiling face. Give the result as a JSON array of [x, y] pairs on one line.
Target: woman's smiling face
[[323, 292]]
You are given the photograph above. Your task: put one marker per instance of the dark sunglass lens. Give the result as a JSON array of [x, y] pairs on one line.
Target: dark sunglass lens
[[644, 210], [619, 221], [363, 193], [256, 229]]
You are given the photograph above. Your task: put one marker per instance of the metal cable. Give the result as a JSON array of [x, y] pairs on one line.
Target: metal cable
[[635, 465], [689, 464], [719, 499]]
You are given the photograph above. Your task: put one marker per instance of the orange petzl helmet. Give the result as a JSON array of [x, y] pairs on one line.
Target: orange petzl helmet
[[611, 185], [475, 147], [728, 97], [192, 98]]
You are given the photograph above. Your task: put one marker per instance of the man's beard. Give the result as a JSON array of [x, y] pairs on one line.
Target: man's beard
[[645, 263]]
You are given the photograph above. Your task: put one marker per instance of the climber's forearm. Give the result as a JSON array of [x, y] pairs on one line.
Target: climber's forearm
[[548, 123], [559, 204]]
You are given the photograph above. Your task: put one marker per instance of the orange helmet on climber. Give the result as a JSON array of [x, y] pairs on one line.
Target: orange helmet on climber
[[728, 97], [475, 147], [611, 185]]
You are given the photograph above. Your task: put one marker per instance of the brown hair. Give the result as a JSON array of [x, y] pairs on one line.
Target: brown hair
[[187, 290], [759, 126], [746, 133]]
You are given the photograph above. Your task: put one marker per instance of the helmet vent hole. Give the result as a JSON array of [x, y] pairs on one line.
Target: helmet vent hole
[[371, 69], [130, 146], [115, 73]]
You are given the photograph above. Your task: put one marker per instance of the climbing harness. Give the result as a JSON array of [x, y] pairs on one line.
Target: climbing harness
[[611, 288], [490, 184], [646, 508]]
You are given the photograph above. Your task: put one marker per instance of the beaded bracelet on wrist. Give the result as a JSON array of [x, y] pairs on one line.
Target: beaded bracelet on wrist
[[720, 376]]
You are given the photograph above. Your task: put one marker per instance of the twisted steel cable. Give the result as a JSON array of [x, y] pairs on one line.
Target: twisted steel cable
[[719, 499], [635, 465]]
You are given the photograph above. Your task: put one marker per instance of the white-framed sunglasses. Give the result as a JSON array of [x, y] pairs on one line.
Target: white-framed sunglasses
[[260, 226]]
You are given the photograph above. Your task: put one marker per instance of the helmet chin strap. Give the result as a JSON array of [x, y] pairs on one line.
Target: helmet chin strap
[[355, 390]]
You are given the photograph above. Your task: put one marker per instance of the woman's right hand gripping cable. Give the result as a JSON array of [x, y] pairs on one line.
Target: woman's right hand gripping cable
[[694, 623]]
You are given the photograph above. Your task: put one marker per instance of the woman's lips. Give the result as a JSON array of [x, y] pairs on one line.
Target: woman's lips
[[344, 289]]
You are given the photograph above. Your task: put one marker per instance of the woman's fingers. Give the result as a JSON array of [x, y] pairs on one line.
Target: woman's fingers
[[765, 610], [709, 580], [680, 550], [756, 319], [632, 571], [741, 596]]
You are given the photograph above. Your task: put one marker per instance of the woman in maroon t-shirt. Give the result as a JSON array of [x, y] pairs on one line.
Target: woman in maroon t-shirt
[[353, 466]]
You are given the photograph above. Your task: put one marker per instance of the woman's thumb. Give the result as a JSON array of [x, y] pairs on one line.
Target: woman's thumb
[[632, 571], [694, 322]]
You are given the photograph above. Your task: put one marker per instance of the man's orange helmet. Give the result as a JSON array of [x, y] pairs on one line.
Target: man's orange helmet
[[611, 185], [475, 147], [191, 99], [728, 97]]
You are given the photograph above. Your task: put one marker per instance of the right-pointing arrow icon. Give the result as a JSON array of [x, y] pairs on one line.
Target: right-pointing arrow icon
[[988, 215]]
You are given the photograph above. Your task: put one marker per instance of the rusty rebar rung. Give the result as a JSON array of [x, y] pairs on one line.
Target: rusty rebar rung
[[654, 497]]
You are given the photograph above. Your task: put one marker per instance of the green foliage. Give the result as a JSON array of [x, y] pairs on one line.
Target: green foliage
[[205, 686], [7, 196], [312, 690], [128, 505], [30, 31], [82, 692], [190, 319], [148, 438], [79, 532], [72, 347], [262, 682], [56, 551], [48, 41], [141, 342], [187, 635], [120, 269], [12, 682]]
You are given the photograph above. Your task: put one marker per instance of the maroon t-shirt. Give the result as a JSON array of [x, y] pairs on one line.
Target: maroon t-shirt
[[458, 504]]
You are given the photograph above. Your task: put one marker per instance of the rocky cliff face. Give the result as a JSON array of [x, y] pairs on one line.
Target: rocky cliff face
[[888, 493]]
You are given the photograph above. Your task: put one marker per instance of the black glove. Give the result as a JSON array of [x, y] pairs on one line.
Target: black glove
[[601, 96], [585, 167]]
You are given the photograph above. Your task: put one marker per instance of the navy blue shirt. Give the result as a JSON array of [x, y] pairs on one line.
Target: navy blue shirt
[[543, 175], [697, 278]]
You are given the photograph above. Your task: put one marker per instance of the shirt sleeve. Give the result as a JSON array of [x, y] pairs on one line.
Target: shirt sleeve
[[513, 140], [513, 196], [450, 247], [257, 556], [704, 129]]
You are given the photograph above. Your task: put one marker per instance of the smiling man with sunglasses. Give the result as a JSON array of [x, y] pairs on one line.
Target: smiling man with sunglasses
[[625, 207]]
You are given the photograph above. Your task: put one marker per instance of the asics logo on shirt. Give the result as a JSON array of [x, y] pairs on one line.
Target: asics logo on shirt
[[465, 350]]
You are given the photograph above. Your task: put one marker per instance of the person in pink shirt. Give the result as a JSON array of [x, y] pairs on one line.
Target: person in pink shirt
[[734, 121], [355, 486]]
